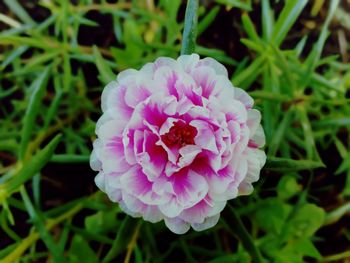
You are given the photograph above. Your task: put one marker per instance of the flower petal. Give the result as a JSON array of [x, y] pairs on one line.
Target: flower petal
[[177, 225], [208, 223]]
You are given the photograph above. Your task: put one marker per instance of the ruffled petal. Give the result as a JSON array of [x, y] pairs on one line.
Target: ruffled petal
[[208, 223], [212, 63], [177, 225]]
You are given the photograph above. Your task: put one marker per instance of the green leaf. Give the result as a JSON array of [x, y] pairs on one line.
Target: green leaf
[[307, 220], [288, 187], [250, 29], [122, 238], [16, 8], [266, 95], [105, 71], [286, 19], [254, 45], [306, 248], [79, 250], [267, 20], [277, 164], [190, 28], [207, 20], [39, 223], [249, 74], [70, 158], [225, 259], [279, 134], [34, 105], [315, 54], [102, 221], [333, 216], [242, 4], [15, 54], [234, 221], [32, 166], [272, 214]]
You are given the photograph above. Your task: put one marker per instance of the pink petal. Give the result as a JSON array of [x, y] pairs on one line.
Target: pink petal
[[205, 78], [176, 225], [199, 212], [167, 77], [236, 111], [153, 157], [188, 62], [189, 187], [187, 154], [172, 208], [212, 63], [149, 213], [254, 118], [135, 182], [208, 223], [112, 156], [243, 97], [110, 128], [259, 137], [113, 98], [205, 137]]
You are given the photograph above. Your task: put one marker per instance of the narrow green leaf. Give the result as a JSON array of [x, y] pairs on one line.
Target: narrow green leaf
[[121, 239], [300, 46], [15, 54], [8, 92], [280, 133], [70, 158], [52, 111], [249, 28], [33, 166], [39, 223], [38, 91], [286, 19], [315, 54], [29, 41], [254, 45], [233, 220], [16, 8], [105, 71], [67, 72], [207, 20], [266, 95], [266, 20], [190, 28], [244, 5], [249, 73], [335, 215], [310, 144], [277, 164], [7, 250]]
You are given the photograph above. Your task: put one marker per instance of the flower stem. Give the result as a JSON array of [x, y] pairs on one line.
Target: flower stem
[[244, 236], [190, 28], [33, 237]]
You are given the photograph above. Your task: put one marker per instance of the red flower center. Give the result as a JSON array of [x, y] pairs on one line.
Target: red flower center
[[180, 134]]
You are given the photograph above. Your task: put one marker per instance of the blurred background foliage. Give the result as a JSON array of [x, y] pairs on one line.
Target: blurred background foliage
[[56, 56]]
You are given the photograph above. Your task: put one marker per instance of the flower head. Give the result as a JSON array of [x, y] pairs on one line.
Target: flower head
[[176, 141]]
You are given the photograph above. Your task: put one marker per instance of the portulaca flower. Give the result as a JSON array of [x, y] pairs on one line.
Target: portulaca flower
[[176, 141]]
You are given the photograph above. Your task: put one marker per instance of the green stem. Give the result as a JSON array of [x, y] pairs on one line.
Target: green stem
[[190, 29], [244, 236], [17, 252], [337, 257]]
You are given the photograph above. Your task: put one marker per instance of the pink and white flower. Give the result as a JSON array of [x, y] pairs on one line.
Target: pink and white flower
[[176, 141]]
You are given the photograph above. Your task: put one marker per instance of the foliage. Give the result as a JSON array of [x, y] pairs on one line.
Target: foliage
[[56, 58]]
